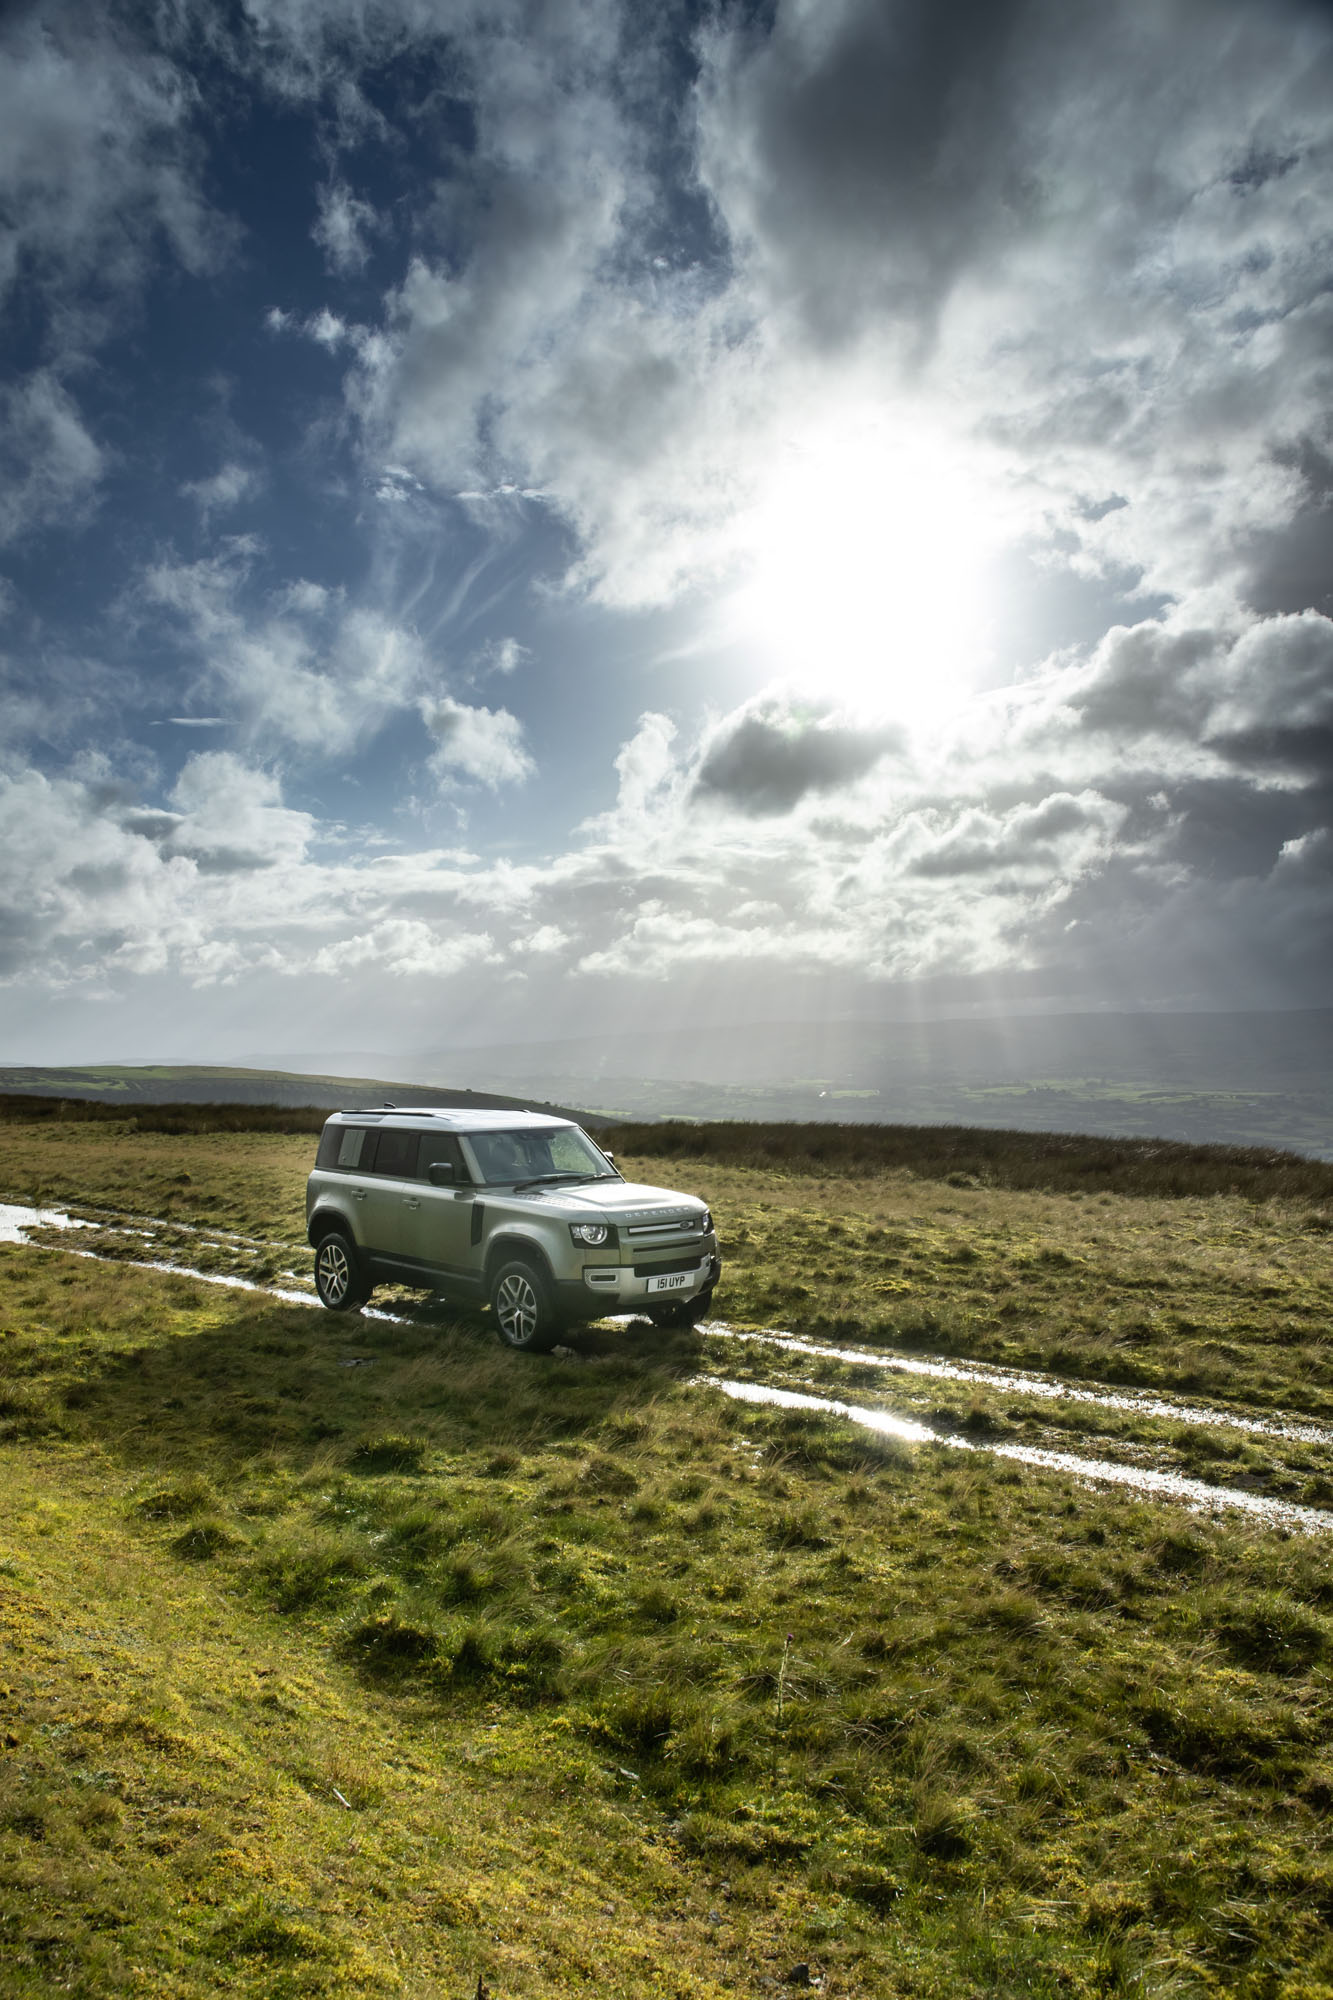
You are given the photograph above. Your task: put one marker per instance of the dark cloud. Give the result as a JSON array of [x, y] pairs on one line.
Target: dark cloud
[[885, 130], [764, 766], [1290, 568]]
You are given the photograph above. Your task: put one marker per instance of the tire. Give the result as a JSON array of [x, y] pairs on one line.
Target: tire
[[338, 1276], [685, 1312], [521, 1302]]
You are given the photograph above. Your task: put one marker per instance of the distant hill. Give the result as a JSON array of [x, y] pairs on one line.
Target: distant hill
[[117, 1084], [1235, 1079]]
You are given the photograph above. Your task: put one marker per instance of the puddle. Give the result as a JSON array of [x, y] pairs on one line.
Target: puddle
[[1139, 1479], [1138, 1402], [15, 1219]]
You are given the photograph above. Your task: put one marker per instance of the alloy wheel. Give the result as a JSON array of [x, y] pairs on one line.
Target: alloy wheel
[[516, 1308], [333, 1271]]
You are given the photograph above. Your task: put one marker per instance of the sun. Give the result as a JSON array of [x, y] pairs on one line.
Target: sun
[[868, 550]]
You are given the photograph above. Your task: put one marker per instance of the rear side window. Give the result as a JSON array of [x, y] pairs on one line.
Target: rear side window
[[397, 1153], [329, 1140], [352, 1148]]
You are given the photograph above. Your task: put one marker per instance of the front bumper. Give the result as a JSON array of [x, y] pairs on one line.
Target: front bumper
[[615, 1288]]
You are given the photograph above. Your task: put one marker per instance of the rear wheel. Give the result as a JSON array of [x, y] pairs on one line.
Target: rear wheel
[[338, 1276], [524, 1314]]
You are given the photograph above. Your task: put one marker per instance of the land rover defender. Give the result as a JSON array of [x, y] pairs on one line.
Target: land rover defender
[[510, 1209]]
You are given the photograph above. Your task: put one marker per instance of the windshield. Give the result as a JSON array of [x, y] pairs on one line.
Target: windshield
[[563, 1153]]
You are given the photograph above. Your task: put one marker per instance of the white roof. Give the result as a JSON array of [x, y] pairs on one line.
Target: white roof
[[461, 1120]]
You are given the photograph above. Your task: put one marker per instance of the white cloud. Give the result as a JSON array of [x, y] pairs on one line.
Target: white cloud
[[342, 226], [502, 656], [233, 819], [223, 489], [480, 743], [95, 161], [50, 467], [327, 329], [406, 948], [302, 667]]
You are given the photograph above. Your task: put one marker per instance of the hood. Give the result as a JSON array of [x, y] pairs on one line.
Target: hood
[[629, 1201]]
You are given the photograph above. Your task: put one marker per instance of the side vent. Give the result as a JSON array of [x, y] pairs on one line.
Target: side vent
[[478, 1216]]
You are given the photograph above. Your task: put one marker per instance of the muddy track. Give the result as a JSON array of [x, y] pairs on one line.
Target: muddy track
[[117, 1237]]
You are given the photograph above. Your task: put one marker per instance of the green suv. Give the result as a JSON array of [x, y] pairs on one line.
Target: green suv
[[502, 1208]]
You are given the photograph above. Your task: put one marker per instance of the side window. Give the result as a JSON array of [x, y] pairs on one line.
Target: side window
[[442, 1146], [353, 1152], [329, 1141], [397, 1155]]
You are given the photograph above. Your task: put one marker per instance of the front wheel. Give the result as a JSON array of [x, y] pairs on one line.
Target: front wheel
[[338, 1278], [522, 1306]]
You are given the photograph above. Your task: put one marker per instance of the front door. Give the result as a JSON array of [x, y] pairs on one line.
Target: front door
[[440, 1233]]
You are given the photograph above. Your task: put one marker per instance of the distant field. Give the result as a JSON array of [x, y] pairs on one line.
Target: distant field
[[346, 1657]]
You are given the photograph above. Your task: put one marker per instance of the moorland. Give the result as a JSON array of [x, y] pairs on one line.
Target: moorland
[[348, 1656]]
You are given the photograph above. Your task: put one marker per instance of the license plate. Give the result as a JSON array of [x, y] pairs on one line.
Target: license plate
[[675, 1281]]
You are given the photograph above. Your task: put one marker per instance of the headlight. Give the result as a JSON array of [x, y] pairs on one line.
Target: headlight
[[590, 1232], [707, 1222]]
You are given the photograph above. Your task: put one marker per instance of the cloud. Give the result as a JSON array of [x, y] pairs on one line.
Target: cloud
[[223, 489], [479, 743], [50, 466], [96, 160], [342, 226], [502, 656], [99, 176], [301, 665], [232, 819], [768, 761], [939, 221], [406, 949]]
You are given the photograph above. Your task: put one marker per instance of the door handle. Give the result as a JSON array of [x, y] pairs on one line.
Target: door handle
[[359, 1194], [410, 1201]]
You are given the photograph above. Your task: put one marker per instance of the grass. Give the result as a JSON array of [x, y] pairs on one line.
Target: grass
[[1058, 1162], [331, 1679], [350, 1656]]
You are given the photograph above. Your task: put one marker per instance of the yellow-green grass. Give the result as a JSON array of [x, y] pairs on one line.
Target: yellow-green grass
[[1212, 1296], [625, 1687], [1217, 1296], [253, 1182]]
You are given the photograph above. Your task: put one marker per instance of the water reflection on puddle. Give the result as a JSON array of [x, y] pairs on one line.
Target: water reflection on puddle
[[15, 1219], [1139, 1402], [1170, 1485]]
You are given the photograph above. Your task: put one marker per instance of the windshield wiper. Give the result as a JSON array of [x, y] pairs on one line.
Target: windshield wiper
[[544, 1180]]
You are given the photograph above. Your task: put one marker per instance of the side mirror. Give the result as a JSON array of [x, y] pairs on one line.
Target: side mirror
[[440, 1173], [608, 1156]]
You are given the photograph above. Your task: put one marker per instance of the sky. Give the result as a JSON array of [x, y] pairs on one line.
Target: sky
[[526, 517]]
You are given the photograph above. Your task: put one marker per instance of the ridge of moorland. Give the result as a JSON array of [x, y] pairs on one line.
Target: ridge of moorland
[[355, 1656], [120, 1090]]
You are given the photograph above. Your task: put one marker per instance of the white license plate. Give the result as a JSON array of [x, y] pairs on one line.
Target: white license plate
[[675, 1281]]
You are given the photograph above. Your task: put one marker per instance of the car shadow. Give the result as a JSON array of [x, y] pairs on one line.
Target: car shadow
[[247, 1376]]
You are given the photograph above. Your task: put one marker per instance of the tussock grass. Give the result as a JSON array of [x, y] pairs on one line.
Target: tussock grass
[[23, 1108], [970, 1156], [523, 1666]]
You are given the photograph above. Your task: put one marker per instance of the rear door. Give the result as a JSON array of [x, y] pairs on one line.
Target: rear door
[[390, 1186]]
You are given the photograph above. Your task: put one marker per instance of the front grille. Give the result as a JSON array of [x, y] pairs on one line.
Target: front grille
[[664, 1266], [670, 1225]]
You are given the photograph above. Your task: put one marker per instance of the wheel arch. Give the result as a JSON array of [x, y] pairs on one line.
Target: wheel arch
[[511, 1245], [324, 1222]]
